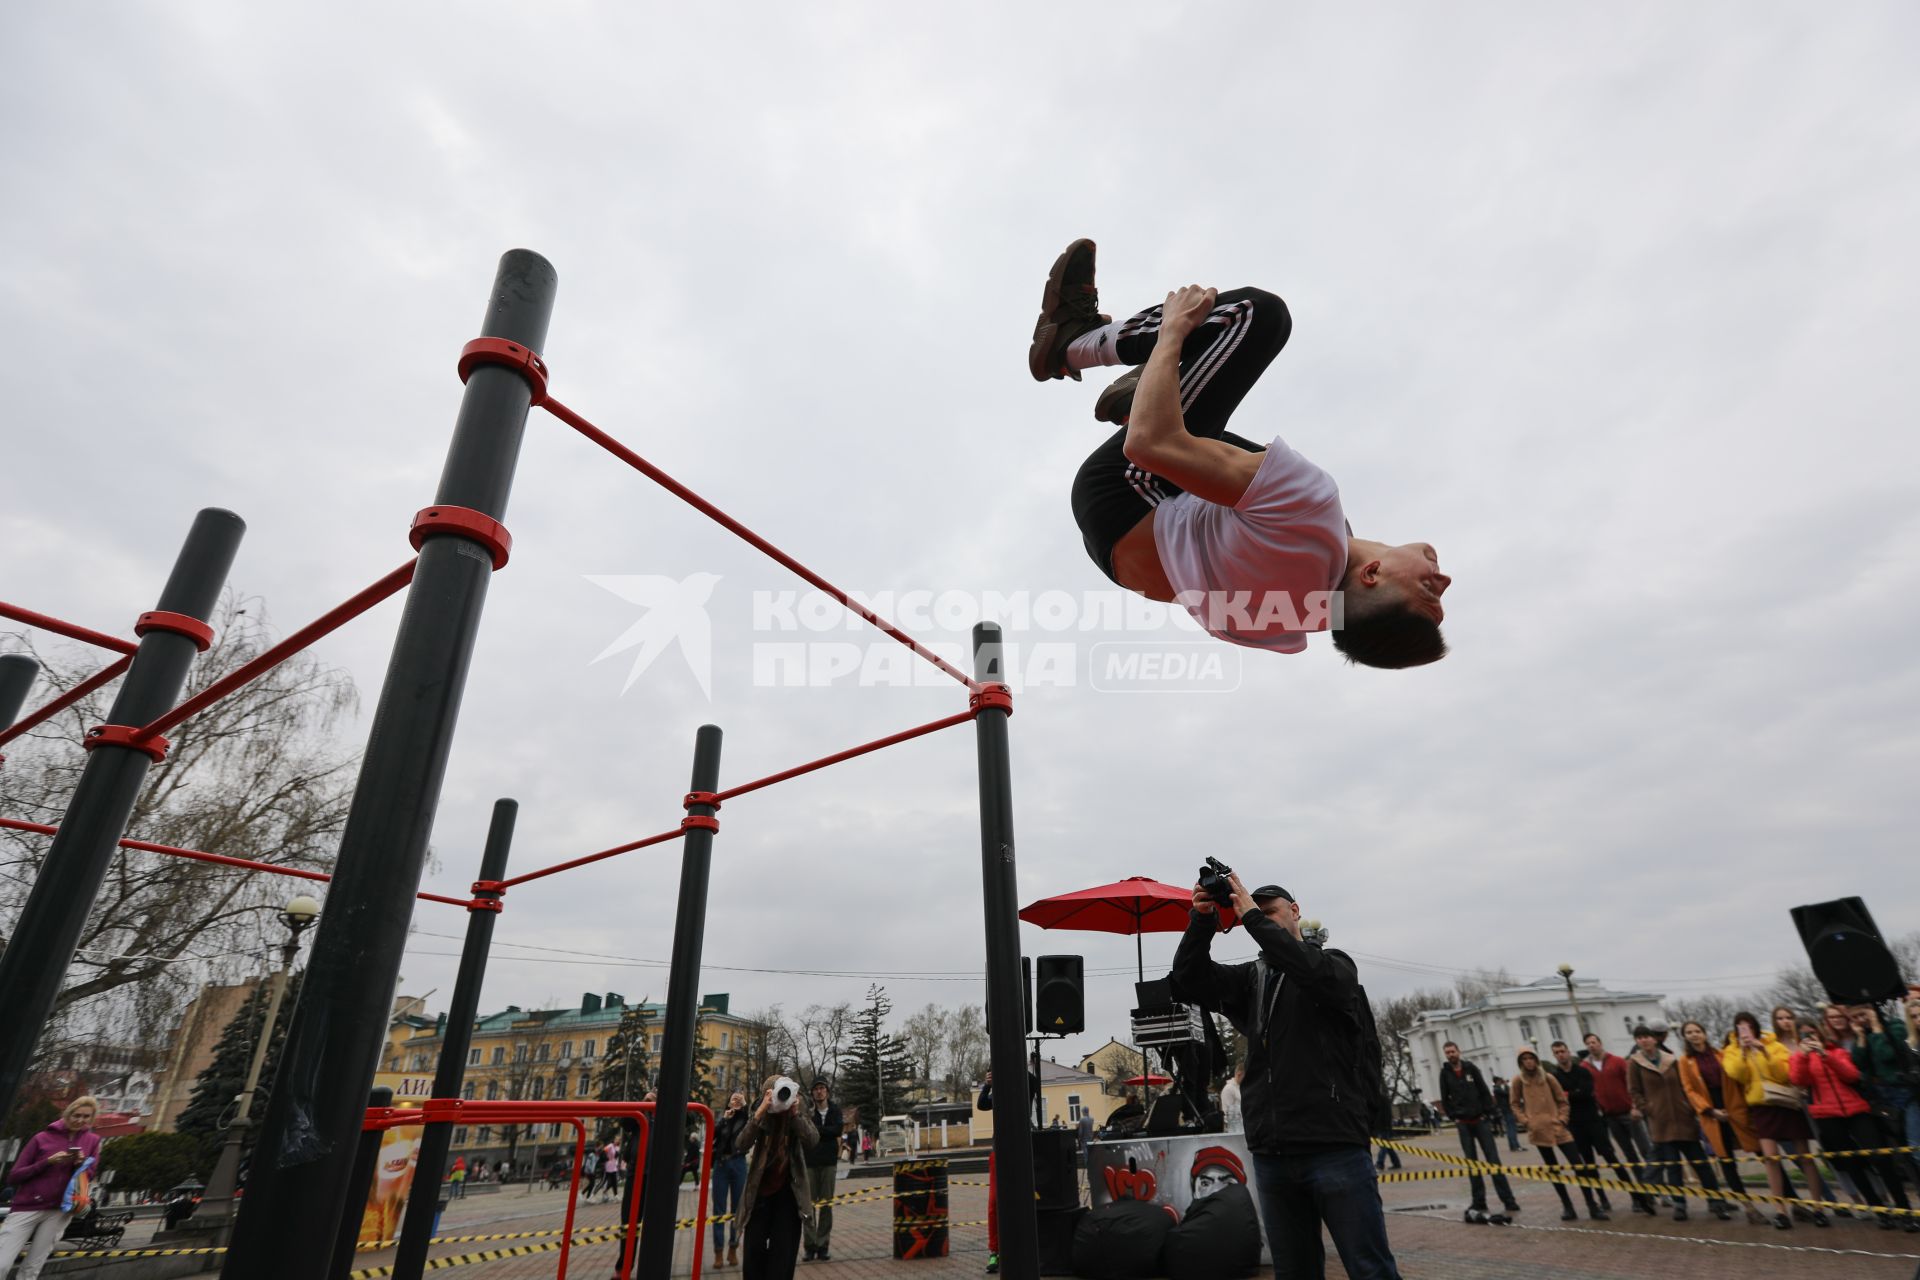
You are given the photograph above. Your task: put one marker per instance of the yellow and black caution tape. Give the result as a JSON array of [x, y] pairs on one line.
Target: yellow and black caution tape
[[1434, 1154]]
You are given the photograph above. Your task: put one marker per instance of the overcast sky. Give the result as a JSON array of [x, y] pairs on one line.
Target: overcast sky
[[1613, 304]]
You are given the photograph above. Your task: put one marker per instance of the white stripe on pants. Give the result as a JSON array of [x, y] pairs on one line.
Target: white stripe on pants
[[36, 1231]]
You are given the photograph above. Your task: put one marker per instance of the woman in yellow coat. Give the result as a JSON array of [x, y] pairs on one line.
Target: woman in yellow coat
[[1721, 1105], [1753, 1060]]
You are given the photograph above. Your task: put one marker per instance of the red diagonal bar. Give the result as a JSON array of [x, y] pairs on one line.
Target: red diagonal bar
[[71, 630], [733, 526], [106, 675], [662, 838], [327, 622], [919, 731], [200, 855]]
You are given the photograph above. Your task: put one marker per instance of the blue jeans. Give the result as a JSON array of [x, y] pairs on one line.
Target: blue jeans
[[729, 1184], [1299, 1193]]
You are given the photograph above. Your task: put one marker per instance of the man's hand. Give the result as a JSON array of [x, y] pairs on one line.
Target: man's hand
[[1183, 311], [1242, 900], [61, 1156], [1203, 903]]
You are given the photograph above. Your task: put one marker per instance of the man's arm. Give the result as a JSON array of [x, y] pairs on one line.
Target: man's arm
[[1635, 1089], [1201, 978], [1157, 435], [1328, 977], [1481, 1093]]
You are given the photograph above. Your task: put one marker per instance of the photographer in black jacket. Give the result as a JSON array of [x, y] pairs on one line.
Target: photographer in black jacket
[[1312, 1095]]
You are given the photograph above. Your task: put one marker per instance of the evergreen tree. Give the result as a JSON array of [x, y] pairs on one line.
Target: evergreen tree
[[211, 1108], [626, 1068], [703, 1055], [876, 1072]]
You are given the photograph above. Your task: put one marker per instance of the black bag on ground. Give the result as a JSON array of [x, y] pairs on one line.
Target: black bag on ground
[[1220, 1237], [1121, 1241]]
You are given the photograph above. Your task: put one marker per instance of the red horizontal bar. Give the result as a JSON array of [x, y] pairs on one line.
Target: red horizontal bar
[[861, 750], [199, 855], [662, 838], [106, 675], [327, 622], [71, 630], [727, 522]]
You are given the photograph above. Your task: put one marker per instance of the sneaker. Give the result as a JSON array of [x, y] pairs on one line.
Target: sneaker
[[1115, 405], [993, 1264], [1069, 307], [1569, 1214], [1600, 1215]]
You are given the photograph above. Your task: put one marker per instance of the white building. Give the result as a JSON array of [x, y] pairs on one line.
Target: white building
[[1492, 1030]]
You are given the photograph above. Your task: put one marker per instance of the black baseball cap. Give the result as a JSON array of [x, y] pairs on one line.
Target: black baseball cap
[[1268, 892], [821, 1083]]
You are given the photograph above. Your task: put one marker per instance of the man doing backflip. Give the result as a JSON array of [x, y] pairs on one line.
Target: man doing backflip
[[1250, 539]]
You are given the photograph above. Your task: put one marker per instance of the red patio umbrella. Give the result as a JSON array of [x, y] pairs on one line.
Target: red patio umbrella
[[1153, 1081], [1136, 905]]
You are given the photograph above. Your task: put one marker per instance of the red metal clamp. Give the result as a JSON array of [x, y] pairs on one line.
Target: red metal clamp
[[997, 696], [466, 522], [709, 798], [122, 735], [179, 623], [521, 360], [699, 822]]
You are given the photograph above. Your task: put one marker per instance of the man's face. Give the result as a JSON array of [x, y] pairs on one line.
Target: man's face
[[1563, 1055], [1281, 911], [1453, 1054], [1594, 1047], [1211, 1179], [1413, 571], [820, 1095]]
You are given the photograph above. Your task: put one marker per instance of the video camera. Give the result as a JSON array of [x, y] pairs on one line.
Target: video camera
[[1214, 883], [785, 1093]]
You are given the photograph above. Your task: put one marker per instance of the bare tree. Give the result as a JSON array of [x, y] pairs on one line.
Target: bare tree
[[964, 1049], [1715, 1013], [820, 1035], [770, 1048], [1482, 983], [259, 775], [925, 1033], [1393, 1018]]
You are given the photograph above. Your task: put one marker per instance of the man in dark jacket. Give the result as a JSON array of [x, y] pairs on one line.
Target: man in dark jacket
[[823, 1159], [1469, 1104], [1312, 1093], [1583, 1115]]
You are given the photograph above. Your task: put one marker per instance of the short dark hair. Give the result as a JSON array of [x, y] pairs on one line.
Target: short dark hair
[[1449, 1045], [1380, 629], [1643, 1030], [1561, 1044]]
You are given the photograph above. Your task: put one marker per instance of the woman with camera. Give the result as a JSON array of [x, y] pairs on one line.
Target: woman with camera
[[777, 1137], [1759, 1064], [729, 1179]]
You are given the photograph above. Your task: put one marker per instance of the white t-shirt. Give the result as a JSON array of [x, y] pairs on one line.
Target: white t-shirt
[[1264, 571], [1230, 1104]]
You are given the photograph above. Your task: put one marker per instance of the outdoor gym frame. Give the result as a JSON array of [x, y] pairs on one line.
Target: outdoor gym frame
[[298, 1201]]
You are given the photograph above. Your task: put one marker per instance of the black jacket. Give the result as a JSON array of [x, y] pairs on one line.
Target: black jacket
[[1577, 1083], [826, 1152], [1313, 1057], [1465, 1096], [726, 1133]]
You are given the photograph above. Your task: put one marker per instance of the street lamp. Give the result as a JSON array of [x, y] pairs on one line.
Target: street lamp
[[215, 1210], [1566, 975]]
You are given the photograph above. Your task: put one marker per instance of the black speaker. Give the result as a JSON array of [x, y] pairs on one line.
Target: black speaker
[[1026, 1000], [1056, 1176], [1848, 956], [1061, 1001], [1056, 1239]]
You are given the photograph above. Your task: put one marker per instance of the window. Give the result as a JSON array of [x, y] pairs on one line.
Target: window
[[726, 1040], [499, 1056], [1526, 1030], [466, 1091], [1553, 1027], [656, 1042], [1073, 1107], [520, 1053], [566, 1048], [539, 1089], [553, 1131], [486, 1134], [459, 1137], [493, 1091], [587, 1050], [560, 1086], [473, 1057], [586, 1084], [542, 1055]]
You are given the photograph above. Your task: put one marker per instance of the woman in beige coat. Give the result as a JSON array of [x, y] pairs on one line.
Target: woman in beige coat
[[776, 1198], [1540, 1105]]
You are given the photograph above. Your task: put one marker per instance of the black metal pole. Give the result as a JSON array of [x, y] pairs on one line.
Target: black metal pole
[[1007, 1052], [339, 1027], [49, 927], [17, 674], [660, 1198], [345, 1250], [410, 1259]]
